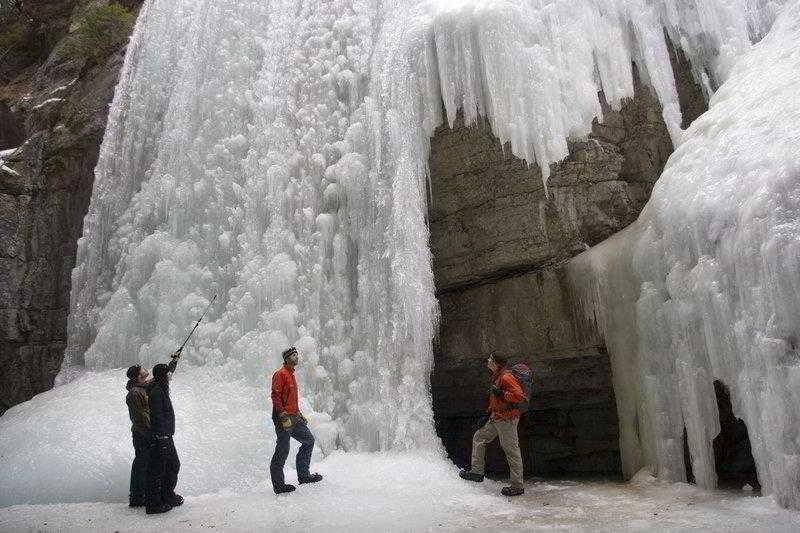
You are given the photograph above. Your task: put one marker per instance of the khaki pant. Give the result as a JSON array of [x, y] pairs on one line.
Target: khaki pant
[[506, 430]]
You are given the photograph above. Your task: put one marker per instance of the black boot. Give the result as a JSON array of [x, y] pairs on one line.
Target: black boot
[[176, 500], [470, 476], [512, 491], [136, 503], [158, 509], [313, 478], [284, 488]]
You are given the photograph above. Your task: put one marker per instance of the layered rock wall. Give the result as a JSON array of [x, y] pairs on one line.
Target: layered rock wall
[[499, 240], [60, 64]]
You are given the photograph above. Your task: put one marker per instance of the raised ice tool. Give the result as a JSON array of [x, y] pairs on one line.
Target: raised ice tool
[[179, 350]]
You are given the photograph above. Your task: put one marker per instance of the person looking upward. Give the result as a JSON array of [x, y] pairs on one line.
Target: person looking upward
[[289, 422]]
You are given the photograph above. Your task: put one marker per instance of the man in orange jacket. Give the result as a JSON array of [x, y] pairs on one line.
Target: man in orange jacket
[[504, 392], [289, 422]]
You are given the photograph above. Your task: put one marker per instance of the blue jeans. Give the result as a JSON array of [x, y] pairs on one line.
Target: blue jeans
[[299, 432]]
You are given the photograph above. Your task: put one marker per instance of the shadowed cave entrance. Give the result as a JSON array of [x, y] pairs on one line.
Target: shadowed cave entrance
[[733, 455]]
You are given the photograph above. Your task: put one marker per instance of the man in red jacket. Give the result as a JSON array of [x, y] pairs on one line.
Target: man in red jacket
[[504, 392], [289, 422]]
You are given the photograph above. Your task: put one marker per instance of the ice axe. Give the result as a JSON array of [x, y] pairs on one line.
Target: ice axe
[[179, 350]]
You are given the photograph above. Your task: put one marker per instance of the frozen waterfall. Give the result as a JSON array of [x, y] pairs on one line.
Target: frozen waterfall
[[275, 153]]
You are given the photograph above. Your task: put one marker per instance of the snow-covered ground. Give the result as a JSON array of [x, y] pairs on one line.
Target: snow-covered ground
[[419, 492]]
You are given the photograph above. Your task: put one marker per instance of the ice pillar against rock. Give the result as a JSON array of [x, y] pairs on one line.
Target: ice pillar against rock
[[704, 286]]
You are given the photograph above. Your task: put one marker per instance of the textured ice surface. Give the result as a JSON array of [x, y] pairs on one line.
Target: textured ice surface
[[706, 284], [275, 153]]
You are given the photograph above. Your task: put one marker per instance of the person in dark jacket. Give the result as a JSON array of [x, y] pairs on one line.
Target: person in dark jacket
[[139, 412], [163, 466], [289, 422]]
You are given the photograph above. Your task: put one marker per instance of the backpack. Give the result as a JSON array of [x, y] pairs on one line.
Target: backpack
[[522, 373]]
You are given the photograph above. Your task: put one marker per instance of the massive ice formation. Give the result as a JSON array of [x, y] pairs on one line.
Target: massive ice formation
[[275, 153], [237, 162], [706, 284]]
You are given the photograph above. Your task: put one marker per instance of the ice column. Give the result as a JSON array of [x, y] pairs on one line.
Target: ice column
[[704, 286], [238, 161]]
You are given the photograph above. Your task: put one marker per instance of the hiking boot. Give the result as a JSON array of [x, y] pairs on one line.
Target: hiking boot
[[176, 500], [158, 509], [284, 488], [512, 491], [470, 476], [313, 478]]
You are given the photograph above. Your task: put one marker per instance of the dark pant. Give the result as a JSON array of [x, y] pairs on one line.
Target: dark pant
[[299, 432], [162, 472], [141, 447]]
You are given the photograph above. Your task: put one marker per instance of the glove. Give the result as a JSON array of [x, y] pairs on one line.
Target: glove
[[176, 354], [497, 391], [286, 421]]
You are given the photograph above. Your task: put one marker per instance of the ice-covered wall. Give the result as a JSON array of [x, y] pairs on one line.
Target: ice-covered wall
[[706, 284], [237, 162], [274, 153]]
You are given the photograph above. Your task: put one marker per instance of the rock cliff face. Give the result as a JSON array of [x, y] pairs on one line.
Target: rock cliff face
[[498, 240], [59, 64]]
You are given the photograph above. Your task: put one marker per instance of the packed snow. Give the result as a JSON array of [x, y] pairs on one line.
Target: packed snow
[[275, 154], [706, 284], [397, 491]]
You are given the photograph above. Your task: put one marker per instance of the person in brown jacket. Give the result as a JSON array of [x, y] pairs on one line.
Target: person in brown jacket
[[139, 412], [503, 418]]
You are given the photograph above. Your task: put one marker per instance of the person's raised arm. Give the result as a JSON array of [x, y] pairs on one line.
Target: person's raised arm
[[174, 356]]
